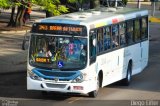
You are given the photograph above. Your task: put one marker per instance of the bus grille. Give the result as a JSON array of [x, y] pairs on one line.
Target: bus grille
[[55, 85], [57, 74]]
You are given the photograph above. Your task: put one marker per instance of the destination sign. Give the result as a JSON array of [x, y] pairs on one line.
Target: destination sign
[[42, 60], [66, 29], [59, 28]]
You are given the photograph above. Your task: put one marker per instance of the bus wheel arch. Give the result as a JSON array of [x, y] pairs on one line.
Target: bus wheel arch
[[128, 77], [99, 84], [100, 74], [130, 64]]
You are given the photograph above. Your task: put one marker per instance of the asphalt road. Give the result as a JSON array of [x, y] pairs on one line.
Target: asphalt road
[[143, 91]]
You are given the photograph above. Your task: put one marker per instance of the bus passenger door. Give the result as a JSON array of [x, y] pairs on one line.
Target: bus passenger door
[[93, 66], [92, 47]]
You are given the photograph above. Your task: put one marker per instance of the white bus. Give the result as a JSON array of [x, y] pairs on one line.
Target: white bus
[[83, 51]]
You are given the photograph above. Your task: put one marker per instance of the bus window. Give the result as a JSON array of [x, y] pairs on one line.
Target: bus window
[[47, 51], [144, 32], [107, 38], [115, 37], [129, 34], [122, 33], [99, 40], [92, 47], [137, 30]]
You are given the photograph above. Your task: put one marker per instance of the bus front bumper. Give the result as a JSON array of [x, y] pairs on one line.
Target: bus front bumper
[[84, 87]]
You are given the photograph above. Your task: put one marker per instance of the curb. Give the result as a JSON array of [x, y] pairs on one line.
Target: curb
[[14, 72], [154, 19], [143, 3], [11, 32]]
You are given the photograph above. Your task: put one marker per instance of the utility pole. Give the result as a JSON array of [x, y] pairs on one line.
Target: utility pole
[[138, 4], [115, 3], [153, 8]]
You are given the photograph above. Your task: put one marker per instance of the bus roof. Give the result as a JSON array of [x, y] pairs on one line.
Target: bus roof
[[97, 17]]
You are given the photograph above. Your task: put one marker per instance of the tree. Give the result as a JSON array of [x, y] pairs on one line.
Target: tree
[[4, 4], [52, 7], [16, 20], [94, 4]]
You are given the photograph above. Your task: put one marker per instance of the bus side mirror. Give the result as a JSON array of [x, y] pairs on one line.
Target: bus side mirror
[[94, 42], [25, 42]]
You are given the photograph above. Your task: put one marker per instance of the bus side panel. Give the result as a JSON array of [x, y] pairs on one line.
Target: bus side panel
[[104, 63], [114, 66], [145, 51], [92, 72], [118, 65], [134, 54]]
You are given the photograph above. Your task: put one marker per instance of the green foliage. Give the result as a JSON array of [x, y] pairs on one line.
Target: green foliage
[[53, 6], [79, 1], [5, 4], [125, 1]]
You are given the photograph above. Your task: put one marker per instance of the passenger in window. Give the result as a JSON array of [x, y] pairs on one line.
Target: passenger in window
[[100, 46], [106, 43], [107, 39], [100, 40], [83, 54], [129, 35], [115, 36], [114, 41], [123, 39], [122, 34], [44, 52]]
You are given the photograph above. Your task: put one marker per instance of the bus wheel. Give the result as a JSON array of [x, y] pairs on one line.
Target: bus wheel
[[95, 92], [44, 93], [127, 80]]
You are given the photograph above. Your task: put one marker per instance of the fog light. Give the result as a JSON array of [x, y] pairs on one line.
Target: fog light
[[78, 87]]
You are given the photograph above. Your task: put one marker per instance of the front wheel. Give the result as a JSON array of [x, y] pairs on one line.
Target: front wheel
[[44, 93], [95, 92]]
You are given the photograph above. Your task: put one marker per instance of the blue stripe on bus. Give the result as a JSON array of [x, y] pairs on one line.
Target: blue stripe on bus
[[61, 21], [40, 74]]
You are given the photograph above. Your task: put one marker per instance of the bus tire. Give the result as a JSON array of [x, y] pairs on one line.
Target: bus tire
[[44, 93], [94, 93], [127, 80]]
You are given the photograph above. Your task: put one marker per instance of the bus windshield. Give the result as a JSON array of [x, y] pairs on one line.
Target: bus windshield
[[58, 52]]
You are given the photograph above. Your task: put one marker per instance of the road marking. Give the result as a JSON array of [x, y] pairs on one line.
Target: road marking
[[72, 101]]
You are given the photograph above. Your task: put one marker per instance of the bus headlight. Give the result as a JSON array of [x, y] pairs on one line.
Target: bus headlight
[[34, 76], [78, 79]]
